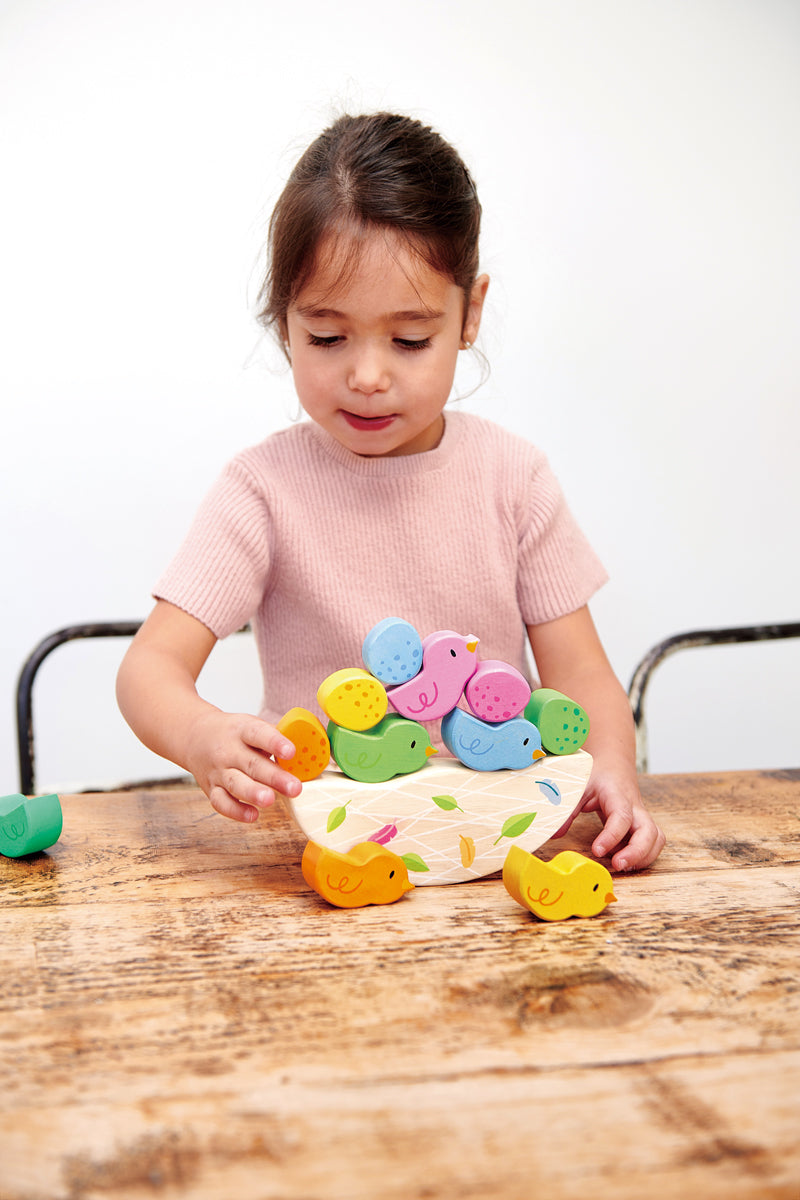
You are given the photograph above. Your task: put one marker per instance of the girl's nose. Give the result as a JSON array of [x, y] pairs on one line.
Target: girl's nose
[[368, 372]]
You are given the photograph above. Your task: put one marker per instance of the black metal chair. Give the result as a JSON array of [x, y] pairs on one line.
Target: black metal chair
[[26, 751], [683, 641], [26, 742]]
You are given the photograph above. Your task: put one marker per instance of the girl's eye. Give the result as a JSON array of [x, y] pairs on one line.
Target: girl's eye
[[315, 340], [408, 344]]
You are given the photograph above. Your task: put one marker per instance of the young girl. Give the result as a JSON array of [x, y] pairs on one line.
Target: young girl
[[382, 503]]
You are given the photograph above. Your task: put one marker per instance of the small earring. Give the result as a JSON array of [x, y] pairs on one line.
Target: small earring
[[467, 345]]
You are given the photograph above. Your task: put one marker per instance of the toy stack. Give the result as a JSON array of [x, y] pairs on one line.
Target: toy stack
[[503, 726], [372, 775]]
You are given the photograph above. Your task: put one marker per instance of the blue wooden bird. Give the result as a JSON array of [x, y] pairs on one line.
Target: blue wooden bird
[[491, 747]]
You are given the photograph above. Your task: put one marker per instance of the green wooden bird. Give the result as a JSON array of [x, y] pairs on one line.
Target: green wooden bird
[[395, 746]]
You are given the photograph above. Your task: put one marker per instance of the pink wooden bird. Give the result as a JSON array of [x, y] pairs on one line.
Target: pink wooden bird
[[448, 661], [497, 691]]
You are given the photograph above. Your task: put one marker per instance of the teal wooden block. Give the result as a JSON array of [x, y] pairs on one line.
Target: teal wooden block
[[29, 824]]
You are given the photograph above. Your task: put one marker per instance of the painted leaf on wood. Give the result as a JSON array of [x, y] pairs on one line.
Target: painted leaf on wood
[[414, 862], [335, 818], [447, 803], [514, 827]]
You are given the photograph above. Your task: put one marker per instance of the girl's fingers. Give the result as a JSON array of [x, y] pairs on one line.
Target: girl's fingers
[[642, 850], [263, 772], [265, 737], [228, 806], [232, 756], [261, 742], [618, 825], [240, 796]]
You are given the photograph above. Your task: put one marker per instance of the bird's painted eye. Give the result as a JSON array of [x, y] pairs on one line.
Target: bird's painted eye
[[453, 653], [596, 886], [391, 874], [526, 741], [413, 744]]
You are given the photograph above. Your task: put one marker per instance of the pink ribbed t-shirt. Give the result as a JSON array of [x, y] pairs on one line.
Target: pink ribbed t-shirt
[[313, 545]]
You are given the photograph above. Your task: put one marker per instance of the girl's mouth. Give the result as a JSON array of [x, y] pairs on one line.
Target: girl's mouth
[[367, 423]]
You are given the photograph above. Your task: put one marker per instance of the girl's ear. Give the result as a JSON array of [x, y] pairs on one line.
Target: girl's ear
[[472, 321], [283, 334]]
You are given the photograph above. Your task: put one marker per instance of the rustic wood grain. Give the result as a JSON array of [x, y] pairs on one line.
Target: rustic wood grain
[[181, 1017]]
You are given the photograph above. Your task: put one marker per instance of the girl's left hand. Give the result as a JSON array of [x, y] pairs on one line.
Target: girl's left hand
[[629, 833], [571, 659]]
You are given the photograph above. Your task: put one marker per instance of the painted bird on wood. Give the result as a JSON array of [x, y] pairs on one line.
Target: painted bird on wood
[[395, 746], [485, 747], [570, 885], [448, 661]]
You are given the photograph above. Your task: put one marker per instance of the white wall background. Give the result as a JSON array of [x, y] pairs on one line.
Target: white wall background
[[638, 166]]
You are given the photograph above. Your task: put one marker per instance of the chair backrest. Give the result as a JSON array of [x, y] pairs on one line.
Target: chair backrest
[[26, 739], [26, 743], [685, 641]]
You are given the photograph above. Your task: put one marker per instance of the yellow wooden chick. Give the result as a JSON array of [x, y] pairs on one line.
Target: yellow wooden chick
[[570, 885], [367, 874], [353, 699]]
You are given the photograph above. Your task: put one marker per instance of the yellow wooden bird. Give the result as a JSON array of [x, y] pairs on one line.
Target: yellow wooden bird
[[570, 885], [367, 874]]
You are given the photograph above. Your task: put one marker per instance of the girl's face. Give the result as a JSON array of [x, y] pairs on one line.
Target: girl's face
[[374, 349]]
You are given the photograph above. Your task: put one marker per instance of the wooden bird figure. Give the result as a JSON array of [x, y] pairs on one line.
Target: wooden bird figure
[[352, 698], [367, 874], [448, 661], [570, 885], [395, 746], [392, 651], [563, 724], [312, 748], [485, 747], [29, 824], [497, 691]]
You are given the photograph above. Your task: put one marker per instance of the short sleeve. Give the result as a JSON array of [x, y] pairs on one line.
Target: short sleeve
[[222, 571], [558, 571]]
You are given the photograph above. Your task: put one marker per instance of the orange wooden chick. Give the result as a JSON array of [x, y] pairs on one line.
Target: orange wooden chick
[[367, 874], [312, 748]]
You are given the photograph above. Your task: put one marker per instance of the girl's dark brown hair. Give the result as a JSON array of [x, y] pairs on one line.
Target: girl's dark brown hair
[[378, 171]]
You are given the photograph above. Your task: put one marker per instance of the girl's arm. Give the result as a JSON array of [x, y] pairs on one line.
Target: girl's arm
[[570, 658], [229, 754]]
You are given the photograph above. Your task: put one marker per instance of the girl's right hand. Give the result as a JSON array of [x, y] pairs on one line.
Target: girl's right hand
[[229, 754], [231, 757]]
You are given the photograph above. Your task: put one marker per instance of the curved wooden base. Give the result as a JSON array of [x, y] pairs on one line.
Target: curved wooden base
[[447, 822]]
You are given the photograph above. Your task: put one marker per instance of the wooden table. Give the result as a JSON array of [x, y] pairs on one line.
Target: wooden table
[[182, 1017]]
